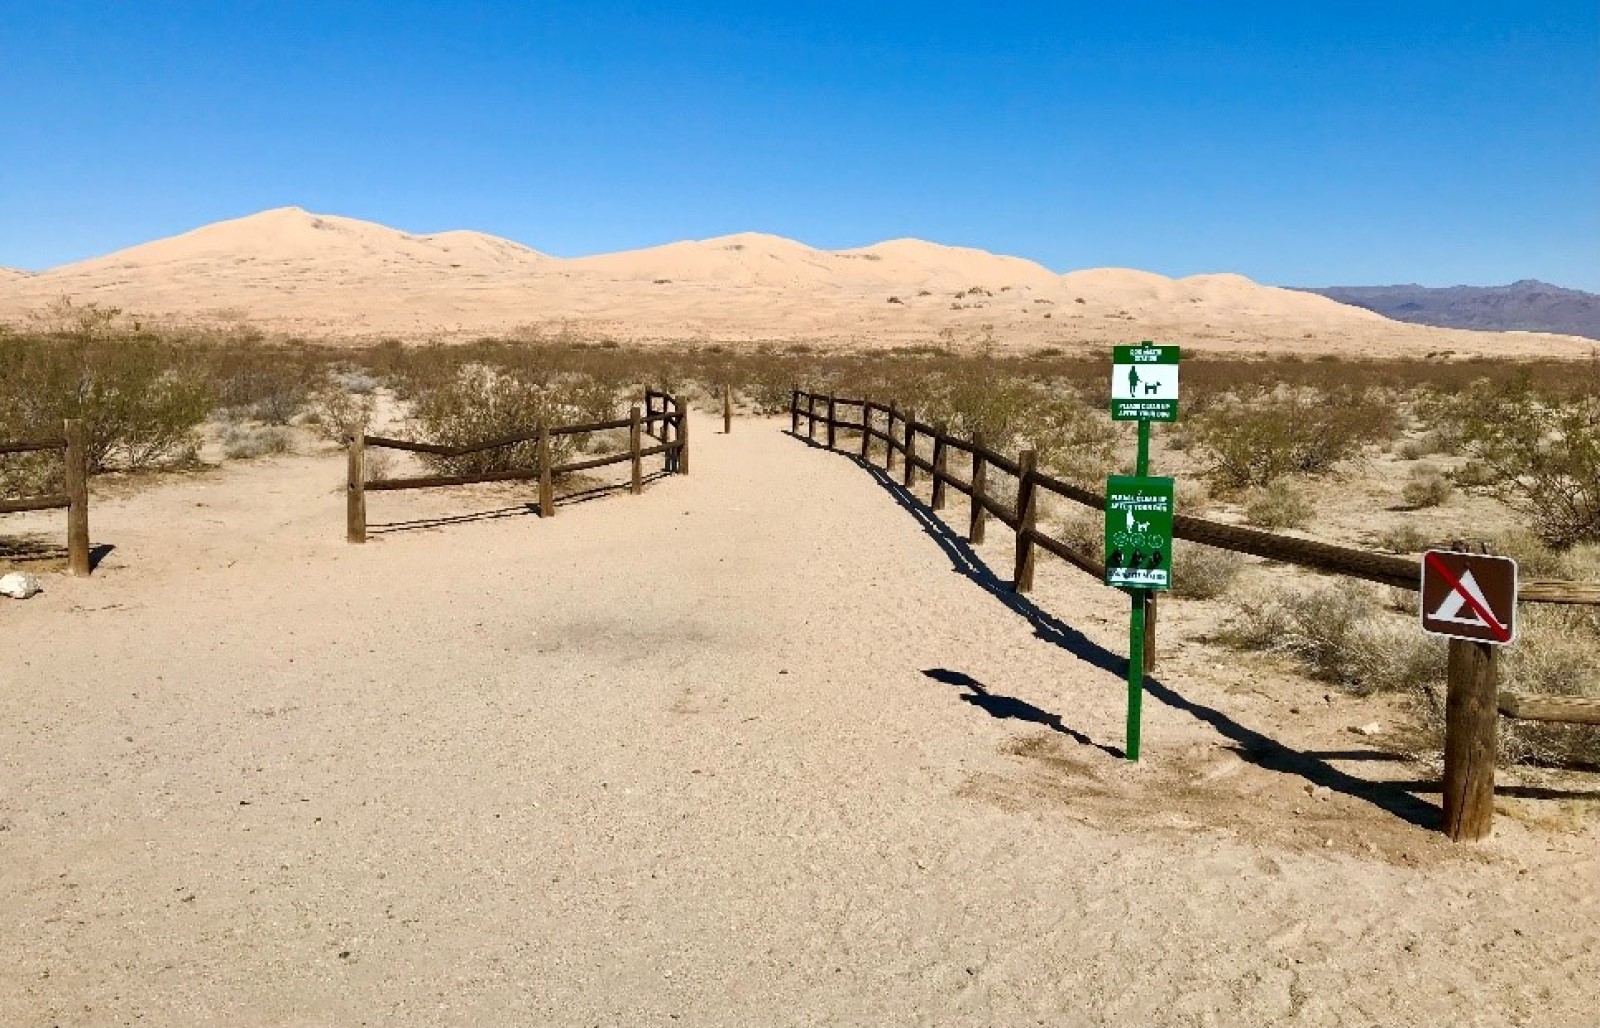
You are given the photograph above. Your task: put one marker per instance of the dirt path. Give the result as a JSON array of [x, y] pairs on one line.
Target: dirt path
[[763, 746]]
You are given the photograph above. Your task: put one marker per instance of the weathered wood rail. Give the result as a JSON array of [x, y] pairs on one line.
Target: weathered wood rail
[[1473, 700], [668, 426], [74, 495]]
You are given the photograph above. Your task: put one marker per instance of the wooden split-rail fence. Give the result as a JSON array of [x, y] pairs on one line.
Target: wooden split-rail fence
[[665, 420], [74, 495], [1473, 698]]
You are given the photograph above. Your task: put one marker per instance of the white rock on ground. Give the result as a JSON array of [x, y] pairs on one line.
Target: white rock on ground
[[20, 585]]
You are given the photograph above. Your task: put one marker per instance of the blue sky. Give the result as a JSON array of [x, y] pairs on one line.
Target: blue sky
[[1315, 144]]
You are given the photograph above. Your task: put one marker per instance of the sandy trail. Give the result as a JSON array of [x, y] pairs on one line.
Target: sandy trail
[[698, 757]]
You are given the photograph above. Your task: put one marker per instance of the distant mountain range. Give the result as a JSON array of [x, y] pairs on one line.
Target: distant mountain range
[[1528, 305]]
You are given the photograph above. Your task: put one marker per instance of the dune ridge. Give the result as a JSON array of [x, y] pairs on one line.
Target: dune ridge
[[294, 272]]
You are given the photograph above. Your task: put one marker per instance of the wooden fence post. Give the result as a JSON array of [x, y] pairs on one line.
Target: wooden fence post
[[355, 489], [866, 431], [833, 422], [909, 479], [1027, 516], [727, 408], [1471, 715], [939, 451], [980, 475], [811, 416], [1149, 648], [634, 446], [547, 489], [888, 435], [794, 410], [683, 437], [77, 483]]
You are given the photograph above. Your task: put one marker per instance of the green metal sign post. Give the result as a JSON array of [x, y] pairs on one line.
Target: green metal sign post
[[1139, 509]]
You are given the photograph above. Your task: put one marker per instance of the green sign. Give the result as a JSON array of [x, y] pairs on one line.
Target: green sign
[[1139, 532], [1144, 383]]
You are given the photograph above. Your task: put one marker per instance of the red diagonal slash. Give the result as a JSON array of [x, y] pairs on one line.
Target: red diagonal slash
[[1477, 608]]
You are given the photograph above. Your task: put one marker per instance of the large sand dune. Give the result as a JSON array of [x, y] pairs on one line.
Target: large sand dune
[[291, 271]]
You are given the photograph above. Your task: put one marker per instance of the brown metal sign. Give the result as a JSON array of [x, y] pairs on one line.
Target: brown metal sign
[[1469, 596]]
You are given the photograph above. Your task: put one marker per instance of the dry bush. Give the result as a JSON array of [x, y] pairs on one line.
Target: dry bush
[[1278, 504], [1253, 439], [1342, 635], [1426, 486], [1404, 538], [1201, 572], [1557, 652], [337, 413], [246, 441]]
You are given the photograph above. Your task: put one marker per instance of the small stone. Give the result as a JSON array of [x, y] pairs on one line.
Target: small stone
[[1370, 728], [19, 585], [1321, 792]]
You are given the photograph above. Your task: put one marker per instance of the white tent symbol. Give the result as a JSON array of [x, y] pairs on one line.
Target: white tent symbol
[[1454, 603]]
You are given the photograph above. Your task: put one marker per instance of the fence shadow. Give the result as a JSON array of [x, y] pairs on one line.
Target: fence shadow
[[520, 510], [1252, 746], [1009, 708]]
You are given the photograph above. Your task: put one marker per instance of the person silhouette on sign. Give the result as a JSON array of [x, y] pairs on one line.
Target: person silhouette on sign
[[1133, 381]]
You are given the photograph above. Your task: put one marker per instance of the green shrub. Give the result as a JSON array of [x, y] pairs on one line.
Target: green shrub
[[1404, 538], [1541, 455], [483, 403], [1255, 440]]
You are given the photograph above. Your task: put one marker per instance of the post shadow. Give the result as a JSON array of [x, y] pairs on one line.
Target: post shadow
[[1009, 708], [1249, 744], [520, 510]]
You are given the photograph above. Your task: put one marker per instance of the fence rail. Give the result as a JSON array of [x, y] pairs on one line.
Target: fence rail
[[1474, 694], [672, 418], [74, 497]]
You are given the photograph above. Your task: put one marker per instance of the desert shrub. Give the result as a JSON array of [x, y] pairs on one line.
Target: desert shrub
[[483, 403], [140, 400], [1540, 455], [1341, 634], [1557, 653], [246, 441], [262, 384], [1535, 558], [1084, 532], [336, 413], [1426, 486], [1202, 572], [1278, 504], [1404, 538], [1256, 439]]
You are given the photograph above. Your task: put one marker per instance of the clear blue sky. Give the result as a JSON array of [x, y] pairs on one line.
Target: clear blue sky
[[1315, 144]]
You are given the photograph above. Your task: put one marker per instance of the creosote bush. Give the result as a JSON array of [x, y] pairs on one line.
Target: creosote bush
[[1255, 437], [1278, 504], [1426, 486], [1201, 572]]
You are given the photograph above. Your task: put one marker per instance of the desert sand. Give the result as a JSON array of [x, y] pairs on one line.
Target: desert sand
[[765, 745], [288, 271]]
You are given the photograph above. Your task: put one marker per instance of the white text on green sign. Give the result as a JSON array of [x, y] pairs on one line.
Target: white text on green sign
[[1139, 532], [1144, 383]]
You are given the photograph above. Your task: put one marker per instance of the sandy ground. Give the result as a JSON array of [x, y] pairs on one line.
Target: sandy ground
[[293, 272], [766, 745]]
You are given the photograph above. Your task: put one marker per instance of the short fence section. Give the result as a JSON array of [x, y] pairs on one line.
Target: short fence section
[[902, 434], [668, 426], [74, 495]]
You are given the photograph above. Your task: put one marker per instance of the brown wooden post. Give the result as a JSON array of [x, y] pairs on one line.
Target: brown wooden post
[[909, 479], [888, 435], [634, 446], [794, 411], [1471, 715], [547, 488], [1149, 648], [833, 422], [1027, 516], [355, 489], [811, 416], [866, 432], [683, 437], [939, 451], [727, 408], [980, 475], [77, 483]]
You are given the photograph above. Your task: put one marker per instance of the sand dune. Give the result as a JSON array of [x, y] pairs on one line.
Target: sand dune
[[291, 271]]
